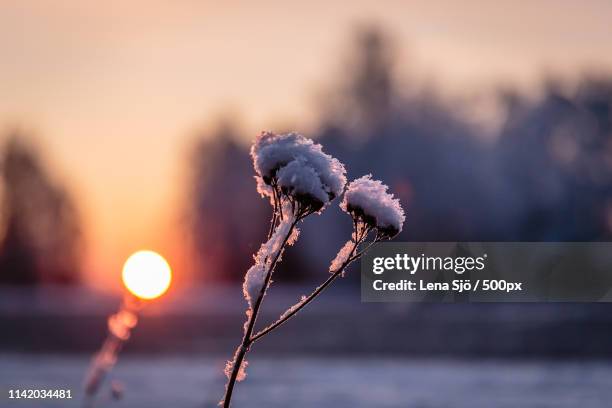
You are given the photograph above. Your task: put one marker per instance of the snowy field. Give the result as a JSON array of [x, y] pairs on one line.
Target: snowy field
[[314, 382]]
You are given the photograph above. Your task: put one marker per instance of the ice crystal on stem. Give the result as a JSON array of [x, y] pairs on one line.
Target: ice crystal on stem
[[229, 367], [341, 256], [254, 279]]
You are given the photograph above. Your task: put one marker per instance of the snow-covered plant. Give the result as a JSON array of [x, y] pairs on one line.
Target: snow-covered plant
[[300, 180], [373, 208], [293, 169]]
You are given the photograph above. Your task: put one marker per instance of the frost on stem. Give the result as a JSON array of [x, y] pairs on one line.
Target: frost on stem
[[229, 366], [253, 281], [255, 277], [342, 256], [293, 308]]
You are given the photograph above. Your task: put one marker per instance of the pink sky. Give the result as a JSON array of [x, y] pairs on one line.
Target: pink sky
[[115, 90]]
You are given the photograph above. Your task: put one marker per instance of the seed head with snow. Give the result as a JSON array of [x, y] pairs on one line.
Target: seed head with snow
[[368, 201], [293, 166]]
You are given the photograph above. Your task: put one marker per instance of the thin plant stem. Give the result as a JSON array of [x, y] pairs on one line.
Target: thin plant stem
[[294, 310], [274, 217], [106, 357], [250, 325], [300, 305], [277, 201]]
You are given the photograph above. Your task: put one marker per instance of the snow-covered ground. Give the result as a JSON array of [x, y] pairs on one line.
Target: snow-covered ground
[[195, 381]]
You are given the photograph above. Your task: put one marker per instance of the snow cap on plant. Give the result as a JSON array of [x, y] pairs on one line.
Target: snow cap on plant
[[301, 181], [367, 200], [299, 167]]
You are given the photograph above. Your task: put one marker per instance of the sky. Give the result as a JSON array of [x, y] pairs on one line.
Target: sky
[[116, 91]]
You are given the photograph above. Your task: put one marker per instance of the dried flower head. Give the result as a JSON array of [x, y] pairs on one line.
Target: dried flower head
[[292, 165], [368, 201]]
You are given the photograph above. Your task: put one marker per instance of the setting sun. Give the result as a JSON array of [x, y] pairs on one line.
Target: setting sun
[[146, 274]]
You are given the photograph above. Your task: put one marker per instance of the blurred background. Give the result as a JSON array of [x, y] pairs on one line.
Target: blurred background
[[127, 125]]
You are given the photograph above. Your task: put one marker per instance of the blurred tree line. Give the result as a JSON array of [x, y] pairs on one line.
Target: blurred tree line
[[546, 175], [39, 226]]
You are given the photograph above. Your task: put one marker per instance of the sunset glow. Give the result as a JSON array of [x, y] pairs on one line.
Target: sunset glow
[[138, 82], [146, 274]]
